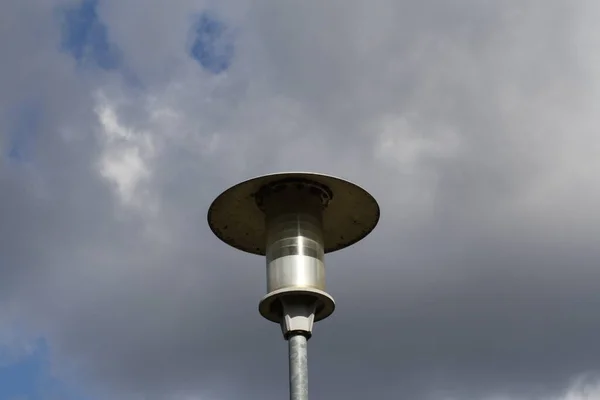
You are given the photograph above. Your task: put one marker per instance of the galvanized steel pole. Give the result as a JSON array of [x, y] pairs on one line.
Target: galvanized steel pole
[[297, 344]]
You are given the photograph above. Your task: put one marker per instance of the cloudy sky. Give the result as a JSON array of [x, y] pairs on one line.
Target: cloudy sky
[[474, 123]]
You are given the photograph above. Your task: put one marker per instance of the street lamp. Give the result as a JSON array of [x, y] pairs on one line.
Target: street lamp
[[294, 219]]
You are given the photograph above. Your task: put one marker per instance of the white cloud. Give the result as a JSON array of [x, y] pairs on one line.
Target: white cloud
[[408, 148], [586, 387], [126, 158]]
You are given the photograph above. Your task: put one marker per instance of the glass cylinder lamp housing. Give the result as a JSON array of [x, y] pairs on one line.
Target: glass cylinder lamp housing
[[295, 254], [295, 248]]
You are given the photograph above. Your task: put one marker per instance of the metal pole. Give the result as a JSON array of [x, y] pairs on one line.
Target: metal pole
[[298, 367]]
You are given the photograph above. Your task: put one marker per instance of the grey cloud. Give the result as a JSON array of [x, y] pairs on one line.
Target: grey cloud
[[481, 278]]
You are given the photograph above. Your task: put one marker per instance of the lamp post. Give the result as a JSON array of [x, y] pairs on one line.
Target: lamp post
[[294, 219]]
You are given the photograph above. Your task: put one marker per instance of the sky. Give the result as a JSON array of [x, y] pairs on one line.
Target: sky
[[473, 123]]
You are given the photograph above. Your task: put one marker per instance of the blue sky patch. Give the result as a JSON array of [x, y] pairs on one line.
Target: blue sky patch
[[212, 44], [85, 37], [30, 378], [21, 379]]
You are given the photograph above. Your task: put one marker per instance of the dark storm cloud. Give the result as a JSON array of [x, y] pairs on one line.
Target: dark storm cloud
[[480, 280]]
